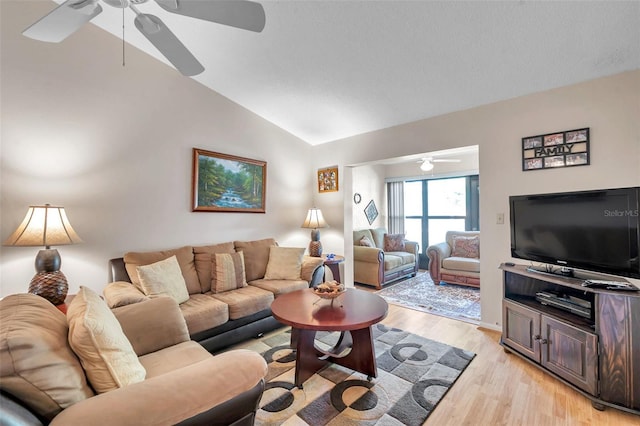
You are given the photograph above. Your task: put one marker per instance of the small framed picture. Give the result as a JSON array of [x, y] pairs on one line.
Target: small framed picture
[[328, 179], [371, 212], [568, 148]]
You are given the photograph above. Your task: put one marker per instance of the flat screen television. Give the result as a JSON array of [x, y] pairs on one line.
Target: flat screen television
[[595, 230]]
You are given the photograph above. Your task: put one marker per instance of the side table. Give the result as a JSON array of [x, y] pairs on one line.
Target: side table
[[334, 265]]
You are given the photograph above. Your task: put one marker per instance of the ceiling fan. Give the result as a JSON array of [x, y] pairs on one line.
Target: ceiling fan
[[67, 18], [427, 163]]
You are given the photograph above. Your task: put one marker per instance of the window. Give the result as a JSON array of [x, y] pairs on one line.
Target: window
[[434, 206]]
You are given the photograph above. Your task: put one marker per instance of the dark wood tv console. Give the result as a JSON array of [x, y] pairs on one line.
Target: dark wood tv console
[[598, 355]]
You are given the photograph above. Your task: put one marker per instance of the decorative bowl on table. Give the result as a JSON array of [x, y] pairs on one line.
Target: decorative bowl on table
[[329, 290]]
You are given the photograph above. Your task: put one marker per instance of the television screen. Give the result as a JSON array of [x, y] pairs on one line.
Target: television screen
[[593, 230]]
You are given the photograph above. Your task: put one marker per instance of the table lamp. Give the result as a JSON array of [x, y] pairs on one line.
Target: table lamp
[[314, 221], [46, 226]]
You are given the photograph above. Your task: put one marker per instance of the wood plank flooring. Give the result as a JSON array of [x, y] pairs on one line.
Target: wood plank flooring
[[499, 388]]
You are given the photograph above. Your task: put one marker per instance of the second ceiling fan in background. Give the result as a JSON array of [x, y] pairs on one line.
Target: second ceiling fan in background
[[71, 15]]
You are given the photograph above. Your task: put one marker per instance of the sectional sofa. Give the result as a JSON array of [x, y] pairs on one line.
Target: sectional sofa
[[219, 316]]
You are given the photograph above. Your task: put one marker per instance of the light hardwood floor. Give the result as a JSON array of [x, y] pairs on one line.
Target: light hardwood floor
[[499, 388]]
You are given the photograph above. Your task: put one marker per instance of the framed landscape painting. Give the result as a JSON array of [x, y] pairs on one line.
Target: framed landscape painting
[[226, 183]]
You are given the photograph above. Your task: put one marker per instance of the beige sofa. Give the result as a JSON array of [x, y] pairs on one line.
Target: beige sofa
[[457, 259], [60, 369], [217, 319], [375, 266]]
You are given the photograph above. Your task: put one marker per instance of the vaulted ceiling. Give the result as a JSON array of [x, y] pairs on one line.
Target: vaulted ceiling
[[327, 70]]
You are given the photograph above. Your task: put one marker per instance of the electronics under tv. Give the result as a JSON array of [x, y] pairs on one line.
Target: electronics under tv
[[595, 230]]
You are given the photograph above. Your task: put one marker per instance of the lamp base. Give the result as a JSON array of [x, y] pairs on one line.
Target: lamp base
[[52, 286], [315, 249]]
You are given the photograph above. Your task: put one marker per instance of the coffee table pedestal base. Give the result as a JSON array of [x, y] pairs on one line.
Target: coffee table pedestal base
[[310, 358]]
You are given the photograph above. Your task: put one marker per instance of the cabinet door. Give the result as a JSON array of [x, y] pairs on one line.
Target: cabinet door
[[521, 329], [571, 353]]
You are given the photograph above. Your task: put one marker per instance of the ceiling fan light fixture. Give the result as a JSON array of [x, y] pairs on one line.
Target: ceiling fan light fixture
[[426, 165]]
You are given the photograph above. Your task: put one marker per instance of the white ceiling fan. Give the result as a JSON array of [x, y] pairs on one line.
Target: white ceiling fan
[[427, 162], [71, 15]]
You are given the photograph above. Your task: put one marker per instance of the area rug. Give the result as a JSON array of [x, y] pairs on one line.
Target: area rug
[[447, 300], [414, 373]]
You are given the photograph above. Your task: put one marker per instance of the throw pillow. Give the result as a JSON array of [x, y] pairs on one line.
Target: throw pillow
[[227, 272], [163, 278], [393, 242], [256, 256], [96, 337], [284, 263], [38, 365], [466, 247], [366, 242]]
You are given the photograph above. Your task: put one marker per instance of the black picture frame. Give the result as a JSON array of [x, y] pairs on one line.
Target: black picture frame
[[569, 148], [371, 212]]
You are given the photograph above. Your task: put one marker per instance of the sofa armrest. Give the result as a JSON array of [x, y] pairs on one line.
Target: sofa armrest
[[153, 324], [412, 247], [368, 254], [122, 293], [436, 253], [172, 397]]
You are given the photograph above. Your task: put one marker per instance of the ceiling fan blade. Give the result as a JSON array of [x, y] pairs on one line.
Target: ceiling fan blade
[[63, 21], [168, 44], [445, 160], [247, 15]]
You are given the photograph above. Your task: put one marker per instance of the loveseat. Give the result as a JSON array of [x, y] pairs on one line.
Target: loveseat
[[457, 259], [380, 258], [133, 365], [219, 316]]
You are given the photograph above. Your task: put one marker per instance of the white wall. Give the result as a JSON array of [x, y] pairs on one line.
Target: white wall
[[609, 106], [113, 145]]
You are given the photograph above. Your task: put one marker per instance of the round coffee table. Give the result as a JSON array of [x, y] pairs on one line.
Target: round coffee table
[[352, 313]]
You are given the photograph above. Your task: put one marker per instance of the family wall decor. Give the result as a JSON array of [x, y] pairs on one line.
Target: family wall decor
[[226, 183], [552, 150], [328, 179]]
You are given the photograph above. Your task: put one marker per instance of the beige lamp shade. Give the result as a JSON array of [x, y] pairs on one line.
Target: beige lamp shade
[[44, 226], [314, 219]]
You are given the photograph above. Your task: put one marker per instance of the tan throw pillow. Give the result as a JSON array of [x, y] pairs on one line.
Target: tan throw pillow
[[202, 256], [256, 256], [227, 272], [37, 363], [185, 260], [95, 335], [284, 263], [393, 242], [366, 242], [466, 247], [163, 278]]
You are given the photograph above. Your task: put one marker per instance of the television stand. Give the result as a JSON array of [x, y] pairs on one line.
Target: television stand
[[595, 354]]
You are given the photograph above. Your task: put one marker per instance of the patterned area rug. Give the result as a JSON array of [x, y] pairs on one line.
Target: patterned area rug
[[414, 373], [447, 300]]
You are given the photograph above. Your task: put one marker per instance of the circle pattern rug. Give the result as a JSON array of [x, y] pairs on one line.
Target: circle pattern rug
[[414, 373]]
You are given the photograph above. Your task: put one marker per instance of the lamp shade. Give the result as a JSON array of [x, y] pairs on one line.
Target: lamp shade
[[44, 226], [314, 219]]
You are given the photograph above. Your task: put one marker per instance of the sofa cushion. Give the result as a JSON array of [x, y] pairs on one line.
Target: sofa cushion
[[120, 293], [393, 242], [278, 287], [365, 242], [163, 278], [256, 256], [461, 264], [396, 259], [465, 246], [309, 265], [284, 263], [37, 364], [202, 259], [378, 237], [227, 272], [360, 234], [95, 335], [185, 260], [245, 301], [202, 312], [173, 358]]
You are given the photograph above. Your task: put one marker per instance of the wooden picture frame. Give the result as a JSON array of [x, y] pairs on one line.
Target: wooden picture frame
[[328, 179], [371, 212], [226, 183], [569, 148]]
